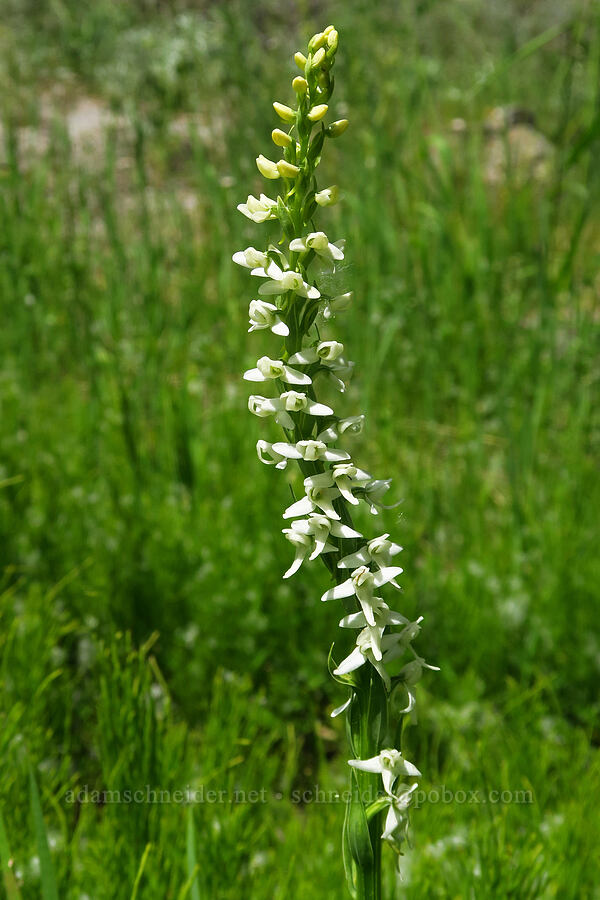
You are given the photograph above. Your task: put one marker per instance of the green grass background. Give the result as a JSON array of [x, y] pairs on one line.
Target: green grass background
[[146, 636]]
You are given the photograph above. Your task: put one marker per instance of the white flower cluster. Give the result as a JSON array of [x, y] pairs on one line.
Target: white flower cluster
[[291, 294], [391, 765]]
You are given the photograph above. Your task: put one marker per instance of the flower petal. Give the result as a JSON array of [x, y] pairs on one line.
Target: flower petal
[[367, 765], [345, 589], [352, 662], [300, 508], [287, 450], [280, 328], [340, 709], [360, 558]]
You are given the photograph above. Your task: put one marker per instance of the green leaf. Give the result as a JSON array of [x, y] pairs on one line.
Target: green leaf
[[48, 878], [361, 863], [349, 679]]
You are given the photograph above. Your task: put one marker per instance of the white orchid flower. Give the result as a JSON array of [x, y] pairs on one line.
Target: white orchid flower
[[412, 672], [320, 493], [362, 584], [345, 476], [390, 764], [337, 305], [310, 450], [289, 401], [258, 210], [369, 642], [351, 425], [250, 258], [379, 550], [321, 245], [268, 456], [264, 315], [374, 491], [268, 369], [396, 820], [383, 616], [311, 536], [303, 541], [281, 281], [328, 353], [324, 352], [373, 646], [328, 196]]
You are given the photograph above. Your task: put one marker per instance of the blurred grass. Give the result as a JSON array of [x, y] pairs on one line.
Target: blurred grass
[[146, 636]]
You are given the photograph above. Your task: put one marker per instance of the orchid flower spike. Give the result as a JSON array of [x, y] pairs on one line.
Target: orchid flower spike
[[296, 309]]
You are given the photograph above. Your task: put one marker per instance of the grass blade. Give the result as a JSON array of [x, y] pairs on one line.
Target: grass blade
[[140, 872], [48, 878], [192, 861], [10, 884]]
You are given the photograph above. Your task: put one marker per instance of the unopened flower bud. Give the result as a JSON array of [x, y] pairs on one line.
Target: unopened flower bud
[[300, 60], [280, 138], [317, 41], [318, 58], [288, 170], [332, 42], [317, 112], [300, 84], [284, 112], [337, 128], [267, 167], [328, 196], [330, 350], [327, 31]]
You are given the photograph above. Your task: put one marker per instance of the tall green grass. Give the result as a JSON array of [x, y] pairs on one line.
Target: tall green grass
[[146, 637]]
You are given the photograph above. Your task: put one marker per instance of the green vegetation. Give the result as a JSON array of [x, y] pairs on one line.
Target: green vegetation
[[147, 641]]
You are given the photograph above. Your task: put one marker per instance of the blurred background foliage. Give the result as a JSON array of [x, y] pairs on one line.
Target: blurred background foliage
[[146, 635]]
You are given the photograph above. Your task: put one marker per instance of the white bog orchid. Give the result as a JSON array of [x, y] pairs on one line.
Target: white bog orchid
[[268, 456], [310, 451], [348, 476], [304, 543], [374, 491], [371, 646], [380, 649], [250, 258], [396, 820], [319, 522], [390, 764], [265, 315], [289, 401], [324, 352], [258, 210], [321, 245], [310, 536], [328, 355], [337, 305], [281, 281], [320, 493], [351, 425], [379, 550], [362, 584], [268, 369], [382, 613], [328, 196]]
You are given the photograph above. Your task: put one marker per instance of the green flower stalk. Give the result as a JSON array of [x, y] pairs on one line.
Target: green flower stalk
[[382, 669]]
